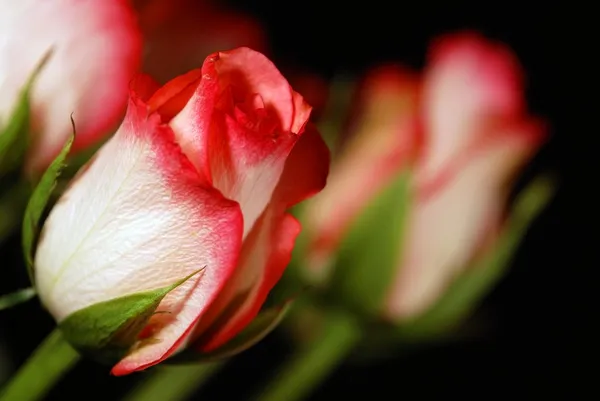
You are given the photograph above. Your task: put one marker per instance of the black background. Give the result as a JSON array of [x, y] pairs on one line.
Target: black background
[[538, 343]]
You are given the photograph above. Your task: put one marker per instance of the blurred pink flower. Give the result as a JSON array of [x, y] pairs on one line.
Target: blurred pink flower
[[96, 51], [463, 132]]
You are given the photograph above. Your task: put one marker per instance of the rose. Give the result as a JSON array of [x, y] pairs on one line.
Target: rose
[[197, 178], [462, 133], [96, 49]]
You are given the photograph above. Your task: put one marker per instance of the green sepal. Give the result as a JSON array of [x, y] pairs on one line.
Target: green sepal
[[371, 251], [266, 321], [469, 288], [38, 202], [15, 136], [16, 298], [107, 330]]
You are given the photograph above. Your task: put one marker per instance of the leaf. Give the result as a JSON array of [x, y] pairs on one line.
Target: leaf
[[14, 137], [468, 289], [107, 330], [370, 252], [37, 204], [17, 297], [259, 328]]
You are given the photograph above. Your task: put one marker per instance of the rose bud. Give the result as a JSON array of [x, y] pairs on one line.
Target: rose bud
[[172, 236], [93, 49], [418, 194]]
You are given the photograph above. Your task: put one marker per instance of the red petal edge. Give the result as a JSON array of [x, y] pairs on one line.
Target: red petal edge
[[305, 175]]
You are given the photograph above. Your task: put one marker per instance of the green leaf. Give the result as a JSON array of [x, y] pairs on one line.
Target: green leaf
[[107, 330], [17, 297], [259, 328], [37, 204], [370, 253], [469, 288], [14, 137]]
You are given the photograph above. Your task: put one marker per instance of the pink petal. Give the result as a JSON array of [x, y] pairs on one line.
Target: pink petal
[[448, 227], [243, 162], [215, 225], [268, 248], [246, 168], [139, 218], [306, 170], [192, 125], [96, 50], [469, 81], [383, 141], [171, 98], [144, 87], [249, 71], [266, 253]]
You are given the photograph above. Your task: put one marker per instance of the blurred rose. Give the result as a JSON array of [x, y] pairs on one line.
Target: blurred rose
[[463, 132], [96, 50], [179, 34], [200, 174]]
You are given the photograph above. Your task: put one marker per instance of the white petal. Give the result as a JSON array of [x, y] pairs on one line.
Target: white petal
[[470, 81], [449, 226]]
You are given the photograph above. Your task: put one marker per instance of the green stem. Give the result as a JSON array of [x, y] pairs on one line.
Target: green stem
[[49, 362], [173, 383], [311, 364]]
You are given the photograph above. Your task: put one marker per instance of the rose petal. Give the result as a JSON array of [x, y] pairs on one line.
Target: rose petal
[[192, 125], [243, 162], [139, 218], [174, 95], [447, 228], [266, 253], [246, 167], [96, 50], [306, 170], [144, 87], [268, 249], [469, 81], [249, 71]]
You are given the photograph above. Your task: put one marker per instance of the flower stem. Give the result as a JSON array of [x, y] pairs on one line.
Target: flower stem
[[312, 363], [173, 383], [49, 362]]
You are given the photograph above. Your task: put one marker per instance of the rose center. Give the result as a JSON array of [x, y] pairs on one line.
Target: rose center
[[250, 112]]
